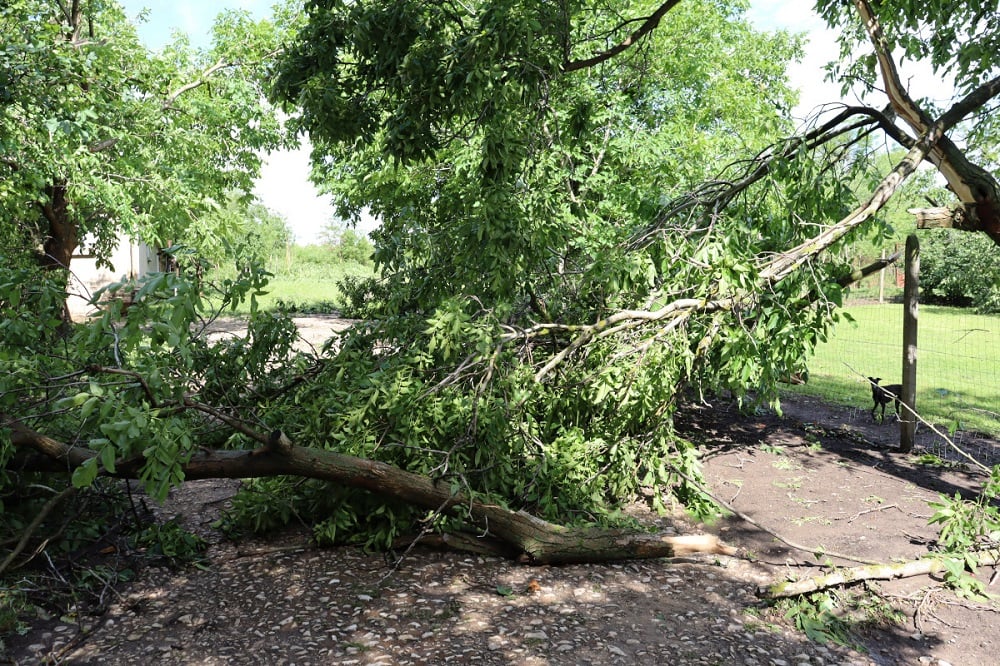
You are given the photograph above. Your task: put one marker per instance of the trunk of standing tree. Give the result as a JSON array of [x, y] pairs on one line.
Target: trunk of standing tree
[[61, 240]]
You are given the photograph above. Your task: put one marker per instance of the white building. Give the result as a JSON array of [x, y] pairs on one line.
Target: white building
[[130, 260]]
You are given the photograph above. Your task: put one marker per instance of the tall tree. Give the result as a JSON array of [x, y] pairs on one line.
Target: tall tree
[[102, 137]]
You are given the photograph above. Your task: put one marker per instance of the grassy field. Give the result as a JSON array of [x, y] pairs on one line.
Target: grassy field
[[958, 363], [306, 283]]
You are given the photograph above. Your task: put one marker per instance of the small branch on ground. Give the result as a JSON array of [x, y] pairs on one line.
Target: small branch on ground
[[30, 529], [923, 566]]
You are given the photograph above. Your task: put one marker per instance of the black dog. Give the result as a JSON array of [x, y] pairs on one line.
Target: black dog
[[883, 395]]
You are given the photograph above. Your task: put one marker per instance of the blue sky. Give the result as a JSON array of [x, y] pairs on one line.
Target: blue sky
[[284, 186]]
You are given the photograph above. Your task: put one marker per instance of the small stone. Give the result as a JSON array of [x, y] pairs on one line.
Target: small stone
[[364, 597], [495, 643], [536, 636], [616, 650]]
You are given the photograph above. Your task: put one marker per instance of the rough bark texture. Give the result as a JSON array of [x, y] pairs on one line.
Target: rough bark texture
[[536, 541], [61, 239]]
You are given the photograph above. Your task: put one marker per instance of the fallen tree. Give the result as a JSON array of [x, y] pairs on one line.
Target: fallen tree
[[552, 277], [534, 541]]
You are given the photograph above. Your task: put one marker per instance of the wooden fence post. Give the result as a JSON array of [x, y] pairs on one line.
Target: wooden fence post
[[911, 297]]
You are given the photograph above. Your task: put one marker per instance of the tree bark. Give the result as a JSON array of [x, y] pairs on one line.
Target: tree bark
[[923, 566], [536, 541], [974, 186], [62, 238]]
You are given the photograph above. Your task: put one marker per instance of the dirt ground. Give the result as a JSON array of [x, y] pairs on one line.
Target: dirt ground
[[816, 476]]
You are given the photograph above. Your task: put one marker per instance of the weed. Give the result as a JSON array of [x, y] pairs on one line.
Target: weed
[[173, 543], [773, 449], [931, 460], [785, 464], [792, 484]]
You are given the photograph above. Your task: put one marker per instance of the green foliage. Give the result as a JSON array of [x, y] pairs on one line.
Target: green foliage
[[101, 137], [307, 279], [174, 544], [238, 233], [13, 607], [818, 615], [550, 277], [959, 268], [967, 526], [957, 39], [124, 378], [514, 195], [346, 245]]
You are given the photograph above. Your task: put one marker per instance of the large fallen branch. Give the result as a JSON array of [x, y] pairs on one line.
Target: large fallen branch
[[537, 541], [974, 186], [921, 567]]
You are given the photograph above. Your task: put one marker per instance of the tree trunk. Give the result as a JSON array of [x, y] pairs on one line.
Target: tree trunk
[[536, 541], [61, 241]]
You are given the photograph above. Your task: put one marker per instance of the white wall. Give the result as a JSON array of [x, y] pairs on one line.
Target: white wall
[[131, 259]]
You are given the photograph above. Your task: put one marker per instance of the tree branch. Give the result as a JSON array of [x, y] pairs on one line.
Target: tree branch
[[200, 81], [647, 26], [923, 566], [971, 183], [538, 541], [30, 529]]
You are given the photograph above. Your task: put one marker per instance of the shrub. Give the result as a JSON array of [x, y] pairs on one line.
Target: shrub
[[959, 268]]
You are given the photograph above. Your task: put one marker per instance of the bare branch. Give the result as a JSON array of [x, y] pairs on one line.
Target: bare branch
[[200, 81], [923, 566], [647, 26]]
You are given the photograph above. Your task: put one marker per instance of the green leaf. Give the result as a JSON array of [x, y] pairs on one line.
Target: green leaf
[[84, 475], [108, 458]]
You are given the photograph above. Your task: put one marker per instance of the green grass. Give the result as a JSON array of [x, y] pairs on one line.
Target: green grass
[[958, 363], [305, 286]]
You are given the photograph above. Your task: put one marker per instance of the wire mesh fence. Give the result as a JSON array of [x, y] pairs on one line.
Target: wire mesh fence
[[958, 370]]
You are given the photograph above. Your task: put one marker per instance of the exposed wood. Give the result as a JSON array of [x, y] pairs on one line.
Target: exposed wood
[[973, 185], [536, 541], [911, 303], [945, 217], [921, 567]]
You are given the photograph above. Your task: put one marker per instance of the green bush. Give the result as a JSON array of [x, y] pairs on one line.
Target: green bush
[[961, 269]]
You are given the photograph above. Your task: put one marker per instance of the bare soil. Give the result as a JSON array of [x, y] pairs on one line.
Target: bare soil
[[819, 476]]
